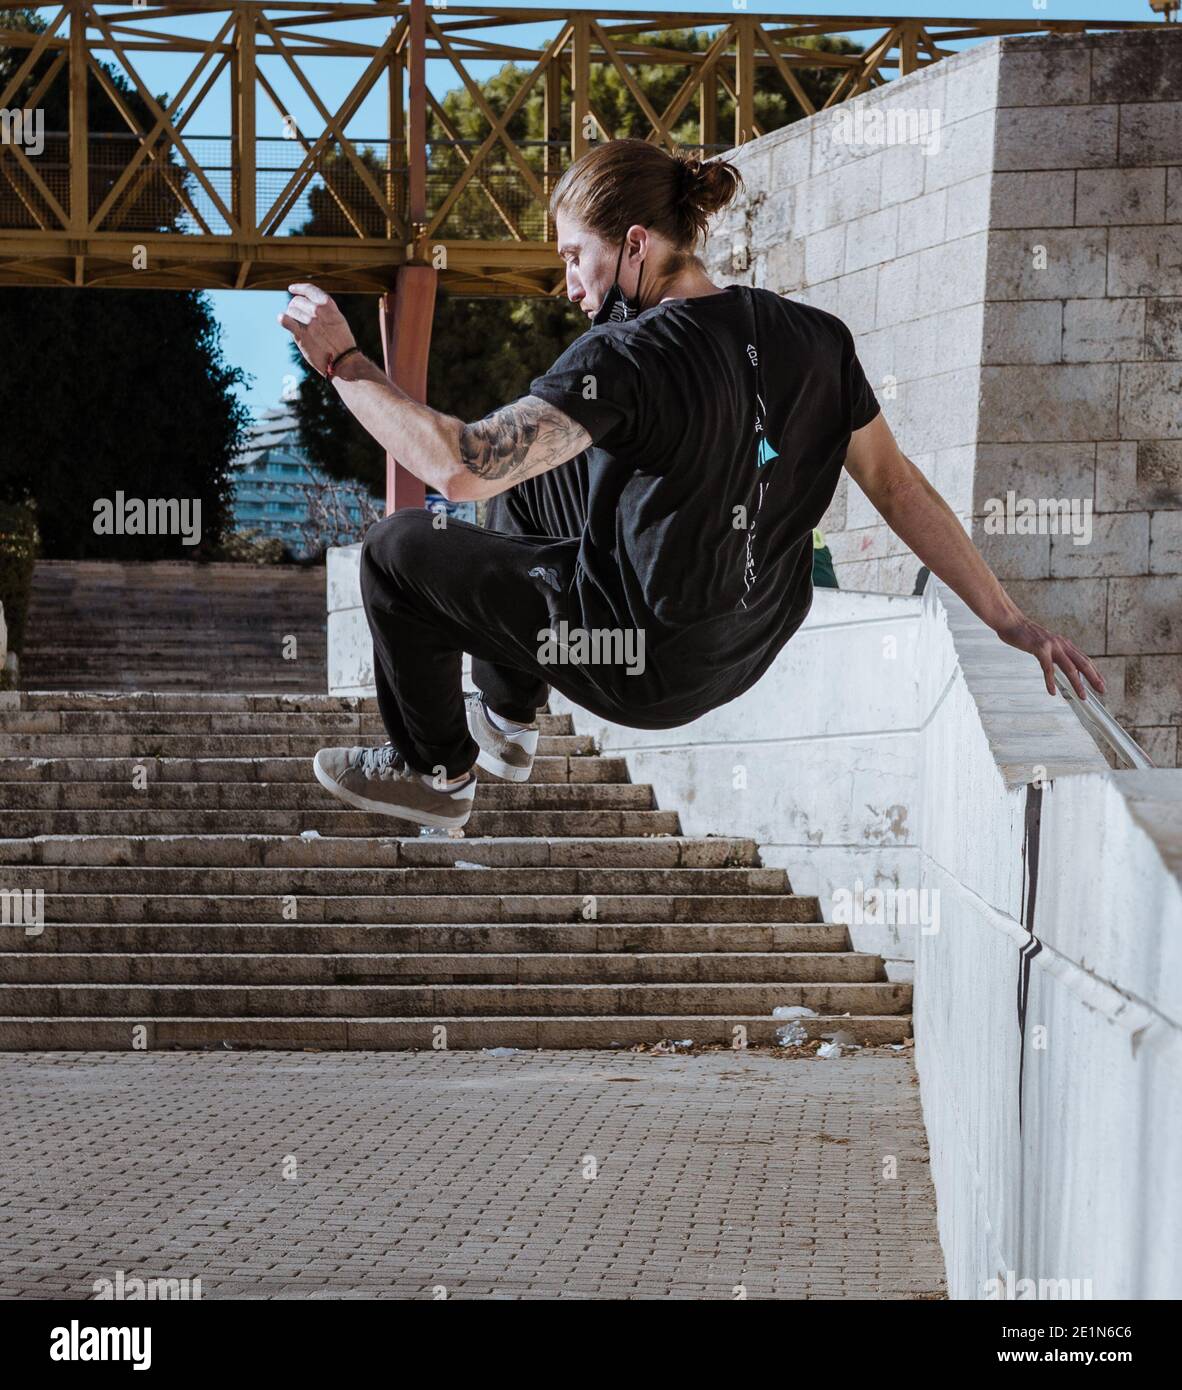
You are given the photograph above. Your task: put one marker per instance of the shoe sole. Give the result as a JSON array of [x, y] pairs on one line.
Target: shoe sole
[[383, 808], [509, 771]]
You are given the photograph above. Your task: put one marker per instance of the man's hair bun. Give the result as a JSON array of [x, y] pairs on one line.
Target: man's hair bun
[[706, 187]]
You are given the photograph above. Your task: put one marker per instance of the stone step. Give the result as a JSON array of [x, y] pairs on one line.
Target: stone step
[[447, 938], [428, 968], [547, 768], [150, 610], [91, 1034], [430, 907], [431, 1001], [240, 663], [309, 795], [387, 881], [138, 641], [279, 851], [177, 575], [362, 727], [200, 700], [167, 909], [131, 679], [222, 608], [114, 650], [221, 612], [147, 745], [604, 821], [139, 709], [174, 624]]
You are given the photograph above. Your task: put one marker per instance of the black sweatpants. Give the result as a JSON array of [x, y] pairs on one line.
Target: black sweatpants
[[433, 592]]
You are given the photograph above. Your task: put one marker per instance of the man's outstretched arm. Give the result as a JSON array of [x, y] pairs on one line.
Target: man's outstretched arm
[[462, 462], [918, 515]]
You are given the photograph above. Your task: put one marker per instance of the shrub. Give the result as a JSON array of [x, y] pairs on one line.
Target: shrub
[[19, 547], [251, 547]]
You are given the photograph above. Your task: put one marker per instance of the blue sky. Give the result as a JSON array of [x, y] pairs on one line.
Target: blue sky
[[253, 340]]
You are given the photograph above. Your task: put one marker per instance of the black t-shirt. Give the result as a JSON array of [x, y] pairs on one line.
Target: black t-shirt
[[689, 535]]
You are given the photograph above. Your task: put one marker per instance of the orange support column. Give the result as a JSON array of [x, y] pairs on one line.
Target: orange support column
[[406, 312]]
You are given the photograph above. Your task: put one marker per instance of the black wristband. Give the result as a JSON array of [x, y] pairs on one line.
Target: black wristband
[[334, 362]]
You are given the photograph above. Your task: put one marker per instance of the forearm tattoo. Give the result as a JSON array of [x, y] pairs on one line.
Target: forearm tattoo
[[521, 439]]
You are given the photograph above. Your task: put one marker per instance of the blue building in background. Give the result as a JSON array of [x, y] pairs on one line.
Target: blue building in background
[[280, 494]]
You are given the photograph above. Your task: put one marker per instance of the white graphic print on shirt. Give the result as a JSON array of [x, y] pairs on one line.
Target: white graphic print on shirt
[[764, 453]]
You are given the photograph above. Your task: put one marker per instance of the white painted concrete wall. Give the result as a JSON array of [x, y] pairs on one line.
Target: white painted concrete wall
[[892, 745], [350, 648], [819, 763]]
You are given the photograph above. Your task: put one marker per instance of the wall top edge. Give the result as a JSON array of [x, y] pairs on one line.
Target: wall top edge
[[1057, 743], [1106, 38]]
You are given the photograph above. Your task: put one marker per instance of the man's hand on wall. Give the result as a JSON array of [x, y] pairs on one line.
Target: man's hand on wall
[[1052, 650]]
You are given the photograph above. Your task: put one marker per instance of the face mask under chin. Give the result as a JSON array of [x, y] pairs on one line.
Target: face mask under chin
[[616, 306]]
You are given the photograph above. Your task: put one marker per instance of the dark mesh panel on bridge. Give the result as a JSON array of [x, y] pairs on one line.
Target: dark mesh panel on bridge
[[498, 200]]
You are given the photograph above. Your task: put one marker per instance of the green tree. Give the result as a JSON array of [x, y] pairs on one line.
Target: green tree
[[111, 390]]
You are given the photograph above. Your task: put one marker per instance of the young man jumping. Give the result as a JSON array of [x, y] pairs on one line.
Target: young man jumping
[[658, 486]]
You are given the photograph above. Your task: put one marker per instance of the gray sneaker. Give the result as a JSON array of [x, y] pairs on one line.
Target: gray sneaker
[[507, 755], [378, 779]]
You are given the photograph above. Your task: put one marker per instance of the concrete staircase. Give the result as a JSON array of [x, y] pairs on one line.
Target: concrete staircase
[[175, 625], [200, 886]]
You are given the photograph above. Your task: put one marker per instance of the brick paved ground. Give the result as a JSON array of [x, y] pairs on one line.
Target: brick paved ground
[[465, 1170]]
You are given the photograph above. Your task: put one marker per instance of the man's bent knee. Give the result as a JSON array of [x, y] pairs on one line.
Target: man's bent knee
[[395, 545]]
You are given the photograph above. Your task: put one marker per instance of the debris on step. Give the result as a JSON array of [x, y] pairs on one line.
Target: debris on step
[[793, 1034], [468, 864], [840, 1042], [500, 1051], [667, 1047]]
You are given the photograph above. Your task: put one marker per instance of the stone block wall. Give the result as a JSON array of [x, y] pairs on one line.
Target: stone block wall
[[892, 239], [1015, 291], [1081, 380]]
